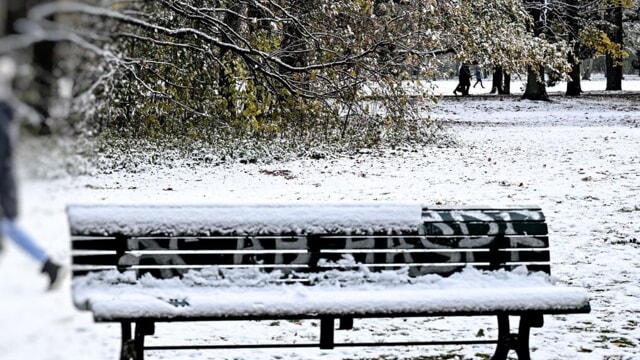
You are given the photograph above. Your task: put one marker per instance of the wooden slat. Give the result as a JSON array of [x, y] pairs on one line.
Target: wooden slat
[[444, 269], [484, 215], [129, 259], [503, 207], [242, 233], [483, 228], [248, 258], [185, 243], [320, 242], [96, 243], [429, 242]]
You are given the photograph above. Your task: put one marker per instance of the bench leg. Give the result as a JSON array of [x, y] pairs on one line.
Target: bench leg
[[127, 351], [522, 341], [504, 338], [346, 323], [132, 348], [326, 333], [143, 329], [518, 342]]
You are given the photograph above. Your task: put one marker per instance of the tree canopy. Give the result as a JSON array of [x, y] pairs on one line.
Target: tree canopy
[[315, 71]]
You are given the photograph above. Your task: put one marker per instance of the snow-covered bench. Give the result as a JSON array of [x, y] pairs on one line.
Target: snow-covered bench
[[148, 264]]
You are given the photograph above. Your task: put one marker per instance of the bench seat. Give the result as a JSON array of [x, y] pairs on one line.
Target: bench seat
[[468, 292]]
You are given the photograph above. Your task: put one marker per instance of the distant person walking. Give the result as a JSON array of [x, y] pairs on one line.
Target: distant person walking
[[478, 73], [8, 192], [464, 80]]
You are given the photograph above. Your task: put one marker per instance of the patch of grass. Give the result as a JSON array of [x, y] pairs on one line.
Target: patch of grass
[[629, 209], [623, 342], [631, 325], [630, 241], [617, 341], [583, 326]]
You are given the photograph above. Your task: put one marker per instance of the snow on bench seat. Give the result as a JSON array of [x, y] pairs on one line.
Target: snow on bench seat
[[110, 298]]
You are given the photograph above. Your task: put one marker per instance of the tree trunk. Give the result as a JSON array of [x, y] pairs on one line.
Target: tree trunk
[[43, 56], [574, 87], [636, 63], [500, 82], [496, 82], [293, 45], [506, 89], [536, 89], [614, 74], [587, 68], [614, 65], [226, 75]]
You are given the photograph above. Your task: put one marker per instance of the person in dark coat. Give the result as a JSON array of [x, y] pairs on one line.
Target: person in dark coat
[[8, 191], [478, 74], [464, 80]]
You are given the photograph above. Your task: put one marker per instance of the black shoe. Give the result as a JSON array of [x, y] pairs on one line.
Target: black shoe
[[55, 272]]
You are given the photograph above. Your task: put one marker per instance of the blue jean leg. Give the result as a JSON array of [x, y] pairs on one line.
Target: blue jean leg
[[23, 240]]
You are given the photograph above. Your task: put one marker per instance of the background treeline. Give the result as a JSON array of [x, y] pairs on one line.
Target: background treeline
[[296, 74]]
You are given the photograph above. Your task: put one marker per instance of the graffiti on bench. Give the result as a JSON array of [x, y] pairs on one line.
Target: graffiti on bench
[[436, 245]]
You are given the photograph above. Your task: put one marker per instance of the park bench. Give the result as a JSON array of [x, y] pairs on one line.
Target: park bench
[[148, 264]]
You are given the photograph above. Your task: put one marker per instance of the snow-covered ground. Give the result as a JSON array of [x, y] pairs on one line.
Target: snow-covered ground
[[597, 84], [577, 158]]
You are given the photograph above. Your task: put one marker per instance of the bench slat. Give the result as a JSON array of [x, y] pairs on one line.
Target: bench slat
[[471, 215], [241, 219], [442, 269], [276, 301], [433, 242], [323, 242], [249, 258], [484, 228]]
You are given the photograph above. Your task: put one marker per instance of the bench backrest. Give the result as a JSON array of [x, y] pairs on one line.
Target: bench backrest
[[167, 241]]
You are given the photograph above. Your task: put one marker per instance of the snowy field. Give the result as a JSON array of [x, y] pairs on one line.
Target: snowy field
[[597, 84], [578, 159]]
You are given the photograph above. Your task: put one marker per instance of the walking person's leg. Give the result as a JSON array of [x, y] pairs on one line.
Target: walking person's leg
[[23, 240], [54, 272]]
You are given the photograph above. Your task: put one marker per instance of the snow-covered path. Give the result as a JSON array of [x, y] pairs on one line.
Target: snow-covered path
[[578, 159]]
